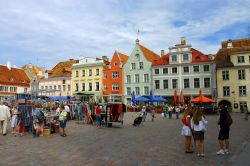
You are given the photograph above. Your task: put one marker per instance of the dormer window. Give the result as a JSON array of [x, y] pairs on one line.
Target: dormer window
[[174, 58], [185, 57], [198, 58], [137, 55]]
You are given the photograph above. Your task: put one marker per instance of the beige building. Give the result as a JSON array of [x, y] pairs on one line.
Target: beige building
[[57, 82], [233, 73], [87, 77]]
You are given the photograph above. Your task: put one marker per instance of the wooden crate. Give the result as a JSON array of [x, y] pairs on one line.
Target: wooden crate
[[46, 132]]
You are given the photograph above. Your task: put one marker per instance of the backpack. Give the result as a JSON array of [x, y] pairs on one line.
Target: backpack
[[229, 120], [184, 121]]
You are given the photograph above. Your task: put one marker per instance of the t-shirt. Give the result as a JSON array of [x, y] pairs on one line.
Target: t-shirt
[[4, 112], [66, 108], [63, 115], [98, 111]]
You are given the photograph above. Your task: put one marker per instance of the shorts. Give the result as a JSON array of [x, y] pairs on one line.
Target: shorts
[[223, 134], [63, 124], [186, 131], [199, 135]]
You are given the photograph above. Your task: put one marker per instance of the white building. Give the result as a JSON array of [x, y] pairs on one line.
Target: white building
[[184, 69]]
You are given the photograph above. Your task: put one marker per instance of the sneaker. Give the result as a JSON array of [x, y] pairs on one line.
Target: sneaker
[[226, 151], [220, 152]]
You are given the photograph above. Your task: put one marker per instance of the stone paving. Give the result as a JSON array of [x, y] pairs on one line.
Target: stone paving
[[154, 143]]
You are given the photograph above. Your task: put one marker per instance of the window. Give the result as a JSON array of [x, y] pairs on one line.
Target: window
[[25, 90], [165, 84], [249, 58], [165, 70], [68, 87], [196, 68], [137, 78], [146, 77], [157, 84], [63, 81], [41, 87], [83, 86], [174, 70], [140, 65], [83, 73], [46, 87], [186, 69], [206, 82], [55, 87], [104, 75], [76, 73], [90, 86], [146, 90], [105, 87], [225, 75], [128, 91], [115, 74], [241, 75], [59, 87], [186, 83], [206, 68], [137, 90], [90, 72], [76, 87], [133, 66], [174, 58], [242, 90], [115, 86], [128, 79], [50, 87], [185, 57], [64, 87], [97, 86], [97, 72], [196, 83], [157, 71], [174, 83], [241, 59], [226, 91], [243, 104]]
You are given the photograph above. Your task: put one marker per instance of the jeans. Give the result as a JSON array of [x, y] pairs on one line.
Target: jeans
[[177, 115], [80, 115]]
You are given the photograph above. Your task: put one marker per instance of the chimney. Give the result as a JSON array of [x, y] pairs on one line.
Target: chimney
[[105, 58], [183, 40], [71, 59], [162, 53], [229, 44]]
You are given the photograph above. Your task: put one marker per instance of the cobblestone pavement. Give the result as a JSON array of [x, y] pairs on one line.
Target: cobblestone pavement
[[154, 143]]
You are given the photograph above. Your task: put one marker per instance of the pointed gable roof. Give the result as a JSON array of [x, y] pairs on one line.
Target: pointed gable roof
[[123, 57], [149, 55], [62, 69]]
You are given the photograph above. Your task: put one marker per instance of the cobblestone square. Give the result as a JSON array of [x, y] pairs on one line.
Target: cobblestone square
[[154, 143]]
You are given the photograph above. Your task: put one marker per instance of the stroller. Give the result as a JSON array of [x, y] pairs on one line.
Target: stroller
[[138, 120]]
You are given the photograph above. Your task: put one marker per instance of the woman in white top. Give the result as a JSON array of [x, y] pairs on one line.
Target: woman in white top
[[198, 125]]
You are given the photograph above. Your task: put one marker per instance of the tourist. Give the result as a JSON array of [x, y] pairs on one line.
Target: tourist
[[80, 111], [224, 131], [98, 115], [186, 130], [177, 111], [38, 120], [170, 109], [153, 113], [144, 113], [14, 119], [198, 125], [63, 121], [4, 117], [246, 110]]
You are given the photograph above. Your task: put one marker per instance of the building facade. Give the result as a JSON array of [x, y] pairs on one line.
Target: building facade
[[12, 81], [233, 73], [184, 69], [137, 72], [57, 82], [113, 75], [87, 76]]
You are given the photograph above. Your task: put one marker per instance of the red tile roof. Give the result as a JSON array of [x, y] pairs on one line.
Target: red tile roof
[[197, 57], [14, 76], [123, 57], [222, 58], [149, 55], [62, 69]]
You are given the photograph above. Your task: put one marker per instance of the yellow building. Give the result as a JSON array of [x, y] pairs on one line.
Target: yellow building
[[87, 77], [233, 74]]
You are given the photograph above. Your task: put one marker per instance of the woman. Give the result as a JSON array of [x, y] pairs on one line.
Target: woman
[[224, 131], [38, 119], [14, 119], [98, 115], [186, 131], [153, 113], [63, 121], [198, 125]]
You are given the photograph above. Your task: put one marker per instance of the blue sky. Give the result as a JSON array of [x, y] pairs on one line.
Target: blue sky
[[46, 32]]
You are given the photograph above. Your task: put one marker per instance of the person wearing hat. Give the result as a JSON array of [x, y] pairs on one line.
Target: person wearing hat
[[4, 117]]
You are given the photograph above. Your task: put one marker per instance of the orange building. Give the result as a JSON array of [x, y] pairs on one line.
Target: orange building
[[113, 74]]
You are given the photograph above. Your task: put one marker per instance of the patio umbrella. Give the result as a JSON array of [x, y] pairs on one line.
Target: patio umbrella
[[202, 99], [175, 97], [159, 99], [140, 98], [151, 97], [182, 98]]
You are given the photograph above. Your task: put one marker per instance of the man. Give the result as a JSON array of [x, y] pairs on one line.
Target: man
[[4, 117]]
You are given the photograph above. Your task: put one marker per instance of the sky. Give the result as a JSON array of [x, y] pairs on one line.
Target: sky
[[49, 31]]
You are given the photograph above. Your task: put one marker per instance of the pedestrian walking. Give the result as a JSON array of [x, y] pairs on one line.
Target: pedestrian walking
[[246, 110], [177, 112], [4, 118], [98, 115], [144, 113], [63, 121], [153, 113], [224, 122], [14, 119], [80, 111], [186, 130], [198, 125], [170, 110]]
